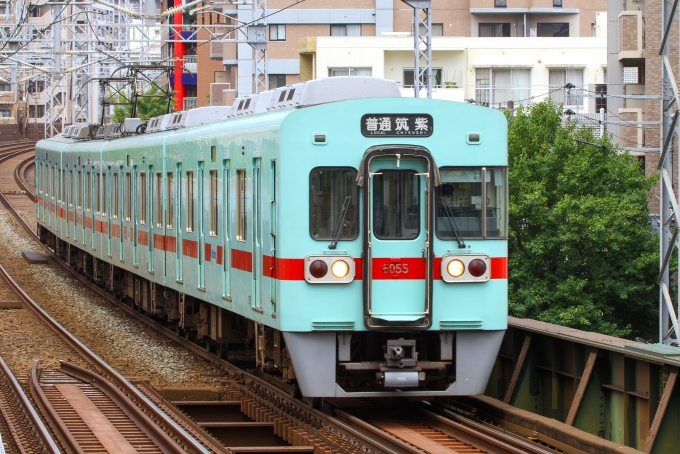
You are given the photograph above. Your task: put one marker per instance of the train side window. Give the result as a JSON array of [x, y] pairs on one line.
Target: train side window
[[142, 198], [97, 194], [128, 196], [54, 183], [328, 189], [80, 189], [88, 192], [214, 208], [105, 194], [159, 200], [469, 199], [63, 186], [241, 223], [190, 201], [73, 187], [115, 194], [171, 200]]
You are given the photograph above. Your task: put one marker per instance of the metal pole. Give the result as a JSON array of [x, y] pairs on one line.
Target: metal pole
[[422, 77]]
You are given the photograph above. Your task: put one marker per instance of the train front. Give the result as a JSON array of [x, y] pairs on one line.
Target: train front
[[398, 210]]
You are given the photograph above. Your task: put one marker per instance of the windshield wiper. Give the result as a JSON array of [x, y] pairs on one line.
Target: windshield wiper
[[452, 221], [341, 222]]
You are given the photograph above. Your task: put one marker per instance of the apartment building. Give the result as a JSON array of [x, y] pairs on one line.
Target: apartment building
[[634, 68], [495, 72], [229, 66]]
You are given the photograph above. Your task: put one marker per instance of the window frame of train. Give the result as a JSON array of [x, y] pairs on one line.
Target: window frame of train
[[97, 194], [142, 197], [170, 183], [116, 197], [352, 212], [62, 197], [486, 177], [159, 200], [241, 193], [54, 183], [190, 201], [72, 184], [104, 193], [88, 192], [128, 196], [214, 204]]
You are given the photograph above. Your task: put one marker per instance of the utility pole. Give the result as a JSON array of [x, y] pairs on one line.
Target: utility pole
[[422, 17]]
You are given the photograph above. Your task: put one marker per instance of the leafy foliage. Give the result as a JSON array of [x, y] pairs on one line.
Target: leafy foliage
[[582, 251], [151, 104]]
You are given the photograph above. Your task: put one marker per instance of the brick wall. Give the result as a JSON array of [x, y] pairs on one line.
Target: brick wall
[[628, 34]]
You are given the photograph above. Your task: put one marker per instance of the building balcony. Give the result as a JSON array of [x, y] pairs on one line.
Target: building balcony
[[189, 103], [631, 44], [190, 64]]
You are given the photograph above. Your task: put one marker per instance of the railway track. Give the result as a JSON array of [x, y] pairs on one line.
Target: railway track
[[334, 429]]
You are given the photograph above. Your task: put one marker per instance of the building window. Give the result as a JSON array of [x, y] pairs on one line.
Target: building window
[[553, 29], [170, 199], [558, 78], [558, 3], [335, 72], [437, 30], [276, 81], [632, 75], [5, 87], [496, 87], [214, 208], [500, 3], [190, 201], [409, 78], [277, 32], [494, 30], [36, 111], [242, 208], [600, 97], [5, 113], [346, 30]]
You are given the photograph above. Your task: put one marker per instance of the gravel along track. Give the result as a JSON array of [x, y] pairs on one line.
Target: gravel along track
[[126, 344]]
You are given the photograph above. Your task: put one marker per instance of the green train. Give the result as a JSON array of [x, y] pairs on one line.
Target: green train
[[346, 240]]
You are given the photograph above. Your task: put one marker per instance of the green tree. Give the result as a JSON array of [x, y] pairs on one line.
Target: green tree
[[150, 104], [582, 251]]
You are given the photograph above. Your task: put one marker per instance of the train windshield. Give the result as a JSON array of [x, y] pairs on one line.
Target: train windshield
[[476, 198], [329, 188]]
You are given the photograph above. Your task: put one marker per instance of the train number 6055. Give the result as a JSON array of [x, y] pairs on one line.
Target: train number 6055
[[395, 268]]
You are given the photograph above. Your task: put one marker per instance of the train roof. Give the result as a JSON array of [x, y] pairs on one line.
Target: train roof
[[305, 94]]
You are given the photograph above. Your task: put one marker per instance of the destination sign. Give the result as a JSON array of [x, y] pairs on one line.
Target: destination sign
[[396, 125]]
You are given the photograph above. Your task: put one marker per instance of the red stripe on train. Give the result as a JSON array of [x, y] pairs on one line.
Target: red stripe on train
[[242, 260]]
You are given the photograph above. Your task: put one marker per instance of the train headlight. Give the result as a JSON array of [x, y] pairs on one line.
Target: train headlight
[[318, 269], [455, 268], [340, 269], [465, 268]]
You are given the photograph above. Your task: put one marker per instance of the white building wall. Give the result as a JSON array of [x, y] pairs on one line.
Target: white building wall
[[459, 57]]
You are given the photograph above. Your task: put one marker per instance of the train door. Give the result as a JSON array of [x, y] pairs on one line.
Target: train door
[[108, 209], [132, 189], [226, 260], [179, 246], [272, 233], [397, 237], [201, 232], [257, 235]]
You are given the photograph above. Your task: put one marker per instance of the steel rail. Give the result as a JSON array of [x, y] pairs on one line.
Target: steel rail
[[25, 403], [21, 181]]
